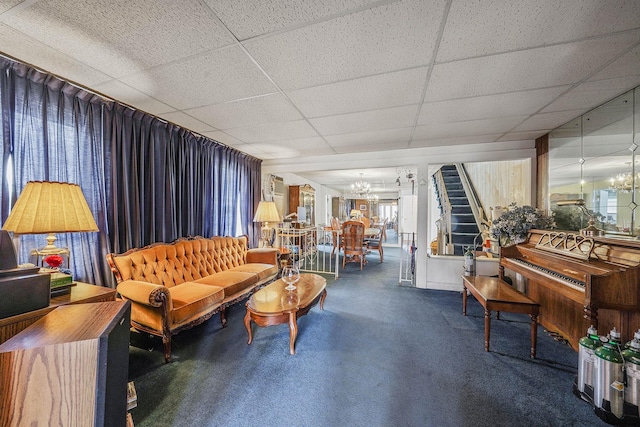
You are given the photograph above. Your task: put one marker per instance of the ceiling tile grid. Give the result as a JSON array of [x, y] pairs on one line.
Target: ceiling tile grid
[[364, 43], [592, 93], [390, 139], [388, 118], [247, 19], [218, 76], [479, 28], [362, 94], [115, 89], [528, 69], [122, 36], [273, 131], [489, 106], [25, 48], [289, 79], [259, 110]]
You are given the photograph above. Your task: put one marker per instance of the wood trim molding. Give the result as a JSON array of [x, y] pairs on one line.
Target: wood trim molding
[[542, 173]]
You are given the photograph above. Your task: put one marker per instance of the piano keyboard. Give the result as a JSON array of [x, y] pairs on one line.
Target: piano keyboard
[[570, 281]]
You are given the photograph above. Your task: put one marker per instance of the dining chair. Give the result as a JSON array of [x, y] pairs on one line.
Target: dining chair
[[335, 237], [375, 244], [383, 230], [353, 246], [366, 221]]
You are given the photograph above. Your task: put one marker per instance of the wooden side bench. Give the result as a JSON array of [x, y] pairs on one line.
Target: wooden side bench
[[496, 294]]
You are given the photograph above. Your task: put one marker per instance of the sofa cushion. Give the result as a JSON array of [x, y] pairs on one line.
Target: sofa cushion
[[191, 300], [263, 271], [232, 281]]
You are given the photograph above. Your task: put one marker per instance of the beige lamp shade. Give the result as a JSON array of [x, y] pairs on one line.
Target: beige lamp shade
[[267, 212], [355, 213], [50, 207]]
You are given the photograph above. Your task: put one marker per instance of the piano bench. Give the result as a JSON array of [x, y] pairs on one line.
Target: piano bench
[[496, 294]]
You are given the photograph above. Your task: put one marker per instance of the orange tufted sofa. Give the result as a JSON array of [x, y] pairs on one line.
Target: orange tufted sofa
[[175, 286]]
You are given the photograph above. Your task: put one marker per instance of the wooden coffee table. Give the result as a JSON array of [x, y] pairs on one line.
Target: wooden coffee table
[[274, 305]]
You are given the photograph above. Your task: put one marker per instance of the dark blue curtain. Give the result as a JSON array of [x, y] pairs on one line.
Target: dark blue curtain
[[170, 183], [52, 131], [145, 180]]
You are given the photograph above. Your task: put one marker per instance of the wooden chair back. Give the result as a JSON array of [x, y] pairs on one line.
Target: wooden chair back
[[353, 242]]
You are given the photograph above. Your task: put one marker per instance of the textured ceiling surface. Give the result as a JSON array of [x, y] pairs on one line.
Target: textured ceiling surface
[[291, 79]]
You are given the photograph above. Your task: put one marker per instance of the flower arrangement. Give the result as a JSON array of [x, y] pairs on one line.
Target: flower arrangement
[[512, 226], [54, 261]]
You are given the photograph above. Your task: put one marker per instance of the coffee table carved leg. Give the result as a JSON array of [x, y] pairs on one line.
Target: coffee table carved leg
[[247, 324], [487, 328], [324, 295], [534, 334], [293, 331]]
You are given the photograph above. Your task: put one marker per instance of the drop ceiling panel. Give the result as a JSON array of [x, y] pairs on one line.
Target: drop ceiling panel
[[120, 91], [390, 138], [315, 146], [626, 65], [478, 28], [8, 4], [248, 19], [184, 120], [248, 112], [367, 93], [389, 118], [226, 139], [591, 94], [122, 36], [468, 128], [449, 142], [219, 76], [522, 70], [547, 120], [365, 148], [490, 106], [31, 51], [364, 43], [273, 131]]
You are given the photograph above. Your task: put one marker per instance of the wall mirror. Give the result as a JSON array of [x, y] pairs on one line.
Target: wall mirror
[[594, 158]]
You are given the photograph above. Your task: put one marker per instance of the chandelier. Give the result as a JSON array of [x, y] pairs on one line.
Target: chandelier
[[624, 182], [362, 190]]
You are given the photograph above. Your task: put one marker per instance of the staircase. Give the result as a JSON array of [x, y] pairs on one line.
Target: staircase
[[463, 227]]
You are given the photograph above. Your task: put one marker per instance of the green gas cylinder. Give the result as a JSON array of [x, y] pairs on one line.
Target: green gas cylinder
[[586, 361]]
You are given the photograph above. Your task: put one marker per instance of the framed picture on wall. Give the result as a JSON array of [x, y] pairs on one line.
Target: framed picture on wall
[[363, 207]]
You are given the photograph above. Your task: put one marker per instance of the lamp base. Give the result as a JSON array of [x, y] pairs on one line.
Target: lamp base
[[267, 233]]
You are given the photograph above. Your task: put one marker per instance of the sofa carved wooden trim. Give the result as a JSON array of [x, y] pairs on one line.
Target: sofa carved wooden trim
[[178, 285]]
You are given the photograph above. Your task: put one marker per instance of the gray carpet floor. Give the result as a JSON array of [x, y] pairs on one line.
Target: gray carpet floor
[[378, 355]]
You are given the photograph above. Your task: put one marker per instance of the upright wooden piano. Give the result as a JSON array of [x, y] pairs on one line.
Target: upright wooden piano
[[579, 281]]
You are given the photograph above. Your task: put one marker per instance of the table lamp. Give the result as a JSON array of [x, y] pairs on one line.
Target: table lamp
[[355, 214], [267, 212], [48, 208]]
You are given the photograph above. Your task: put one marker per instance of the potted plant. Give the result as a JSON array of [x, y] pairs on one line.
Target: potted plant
[[513, 226]]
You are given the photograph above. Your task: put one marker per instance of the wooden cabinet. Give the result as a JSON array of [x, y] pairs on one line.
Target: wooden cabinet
[[339, 208], [70, 368], [303, 196]]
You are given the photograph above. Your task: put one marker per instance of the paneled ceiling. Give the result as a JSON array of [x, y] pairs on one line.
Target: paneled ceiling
[[292, 79]]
